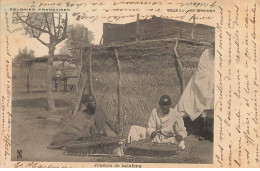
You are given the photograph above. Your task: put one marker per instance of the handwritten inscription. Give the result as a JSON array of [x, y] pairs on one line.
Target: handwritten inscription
[[238, 92], [197, 4], [36, 165], [115, 11], [219, 104], [220, 128], [236, 37], [239, 111], [229, 112], [96, 165], [219, 30], [238, 160], [219, 157], [257, 154], [7, 37], [3, 114], [6, 116], [7, 142], [238, 125]]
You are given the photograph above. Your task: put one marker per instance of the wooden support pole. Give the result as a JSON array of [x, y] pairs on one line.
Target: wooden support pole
[[29, 78], [178, 66], [101, 40], [137, 28], [63, 76], [193, 27], [77, 87], [63, 69], [82, 89], [119, 117], [90, 71]]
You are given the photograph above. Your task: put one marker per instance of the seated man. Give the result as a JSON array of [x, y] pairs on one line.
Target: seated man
[[165, 125], [86, 123]]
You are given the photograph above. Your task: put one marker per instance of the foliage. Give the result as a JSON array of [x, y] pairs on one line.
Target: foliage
[[78, 36], [37, 25], [23, 56], [41, 26]]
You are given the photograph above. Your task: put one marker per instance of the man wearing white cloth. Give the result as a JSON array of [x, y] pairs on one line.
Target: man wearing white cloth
[[165, 125]]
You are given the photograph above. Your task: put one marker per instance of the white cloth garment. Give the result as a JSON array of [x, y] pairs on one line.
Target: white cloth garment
[[198, 95], [136, 133], [169, 124]]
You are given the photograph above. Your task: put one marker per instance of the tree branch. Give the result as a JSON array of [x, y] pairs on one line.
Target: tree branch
[[64, 33], [53, 24], [31, 25], [42, 23], [47, 23], [44, 43], [59, 26], [36, 37]]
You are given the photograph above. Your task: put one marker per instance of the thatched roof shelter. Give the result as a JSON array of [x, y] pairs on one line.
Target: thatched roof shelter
[[44, 59], [60, 57], [148, 70]]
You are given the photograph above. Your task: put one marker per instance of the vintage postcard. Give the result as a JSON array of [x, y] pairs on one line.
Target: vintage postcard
[[129, 83]]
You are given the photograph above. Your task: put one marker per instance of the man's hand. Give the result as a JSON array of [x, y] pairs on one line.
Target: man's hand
[[85, 135], [154, 133], [103, 134], [179, 137]]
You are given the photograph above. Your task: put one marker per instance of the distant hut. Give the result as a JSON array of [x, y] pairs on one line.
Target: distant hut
[[36, 74]]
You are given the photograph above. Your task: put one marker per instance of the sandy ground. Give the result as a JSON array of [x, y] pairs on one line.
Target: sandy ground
[[33, 128]]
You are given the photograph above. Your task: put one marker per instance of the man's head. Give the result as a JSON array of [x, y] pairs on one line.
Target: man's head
[[89, 101], [165, 103]]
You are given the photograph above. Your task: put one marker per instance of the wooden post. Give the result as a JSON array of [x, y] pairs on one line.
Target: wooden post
[[63, 69], [66, 84], [90, 71], [101, 39], [79, 73], [179, 67], [119, 117], [63, 76], [82, 89], [29, 78], [193, 27], [137, 29]]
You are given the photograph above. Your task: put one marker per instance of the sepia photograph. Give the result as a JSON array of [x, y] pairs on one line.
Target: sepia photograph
[[129, 84], [140, 91]]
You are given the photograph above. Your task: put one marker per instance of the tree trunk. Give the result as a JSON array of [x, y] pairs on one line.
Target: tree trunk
[[51, 104], [29, 78]]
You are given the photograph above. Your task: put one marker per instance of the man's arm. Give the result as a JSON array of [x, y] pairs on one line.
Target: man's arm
[[181, 133], [112, 125], [102, 120], [151, 130]]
